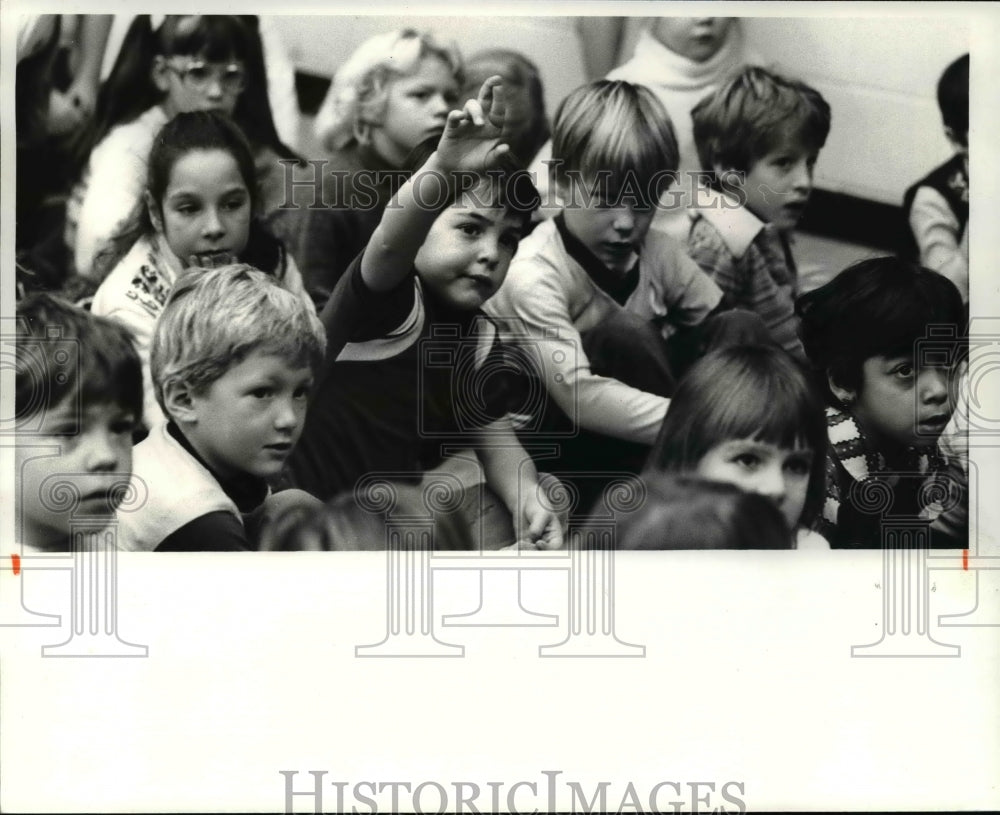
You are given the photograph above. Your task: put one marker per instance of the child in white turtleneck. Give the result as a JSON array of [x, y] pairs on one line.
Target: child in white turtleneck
[[681, 60]]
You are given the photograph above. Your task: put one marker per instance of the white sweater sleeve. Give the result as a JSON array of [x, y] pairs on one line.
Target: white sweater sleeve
[[116, 180], [942, 247], [532, 296]]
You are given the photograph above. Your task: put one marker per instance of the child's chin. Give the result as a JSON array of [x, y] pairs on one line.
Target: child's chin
[[465, 302]]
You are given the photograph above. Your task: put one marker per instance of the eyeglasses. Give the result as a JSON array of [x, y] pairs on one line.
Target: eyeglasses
[[199, 75]]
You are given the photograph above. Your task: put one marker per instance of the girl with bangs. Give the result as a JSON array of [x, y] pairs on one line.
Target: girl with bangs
[[189, 63], [750, 416], [198, 210]]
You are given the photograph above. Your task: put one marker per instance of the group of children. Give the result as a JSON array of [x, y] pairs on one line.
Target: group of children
[[434, 313]]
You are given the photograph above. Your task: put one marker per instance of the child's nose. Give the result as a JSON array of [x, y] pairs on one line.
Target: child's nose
[[214, 89], [803, 175], [213, 226], [771, 483], [934, 385], [288, 414], [439, 105], [624, 220], [102, 451], [489, 252]]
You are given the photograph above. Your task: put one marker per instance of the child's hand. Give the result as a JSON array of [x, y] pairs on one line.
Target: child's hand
[[537, 526], [65, 115], [471, 138], [211, 260]]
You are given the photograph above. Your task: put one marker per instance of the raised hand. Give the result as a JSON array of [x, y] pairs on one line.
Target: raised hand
[[471, 138]]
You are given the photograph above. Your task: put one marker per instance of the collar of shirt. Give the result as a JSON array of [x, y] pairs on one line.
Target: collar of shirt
[[619, 287], [736, 225], [246, 491]]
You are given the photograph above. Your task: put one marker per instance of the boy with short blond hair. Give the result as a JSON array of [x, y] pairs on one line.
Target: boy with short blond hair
[[606, 301], [759, 134], [232, 360]]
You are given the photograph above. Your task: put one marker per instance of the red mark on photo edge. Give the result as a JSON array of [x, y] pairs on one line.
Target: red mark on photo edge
[[15, 564], [965, 559]]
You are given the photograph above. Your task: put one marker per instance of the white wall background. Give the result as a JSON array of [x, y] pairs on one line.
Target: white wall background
[[879, 75]]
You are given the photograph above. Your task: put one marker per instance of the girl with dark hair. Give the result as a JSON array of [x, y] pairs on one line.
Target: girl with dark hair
[[198, 210], [194, 62]]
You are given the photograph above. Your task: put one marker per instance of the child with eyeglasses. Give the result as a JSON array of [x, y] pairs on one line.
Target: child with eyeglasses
[[188, 63]]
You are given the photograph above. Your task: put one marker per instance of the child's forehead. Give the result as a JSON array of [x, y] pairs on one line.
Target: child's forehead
[[789, 138], [483, 202], [762, 443], [73, 409]]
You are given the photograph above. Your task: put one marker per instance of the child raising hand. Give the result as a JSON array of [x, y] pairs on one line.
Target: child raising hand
[[439, 252]]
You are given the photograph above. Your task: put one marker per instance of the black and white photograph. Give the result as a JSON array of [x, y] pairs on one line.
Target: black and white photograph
[[527, 407]]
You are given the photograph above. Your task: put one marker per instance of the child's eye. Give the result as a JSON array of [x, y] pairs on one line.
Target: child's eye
[[198, 73], [451, 98], [124, 425], [472, 230], [261, 393], [904, 371], [798, 466], [303, 391], [749, 460], [234, 203], [783, 162]]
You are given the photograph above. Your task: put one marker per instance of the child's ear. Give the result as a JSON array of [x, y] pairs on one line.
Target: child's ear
[[154, 211], [729, 178], [959, 141], [844, 395], [179, 403], [159, 73]]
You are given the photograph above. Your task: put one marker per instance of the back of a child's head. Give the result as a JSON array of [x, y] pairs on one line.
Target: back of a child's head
[[352, 523], [618, 131], [682, 512], [953, 98], [65, 353], [876, 307], [360, 89], [753, 113], [526, 127], [213, 320], [754, 392]]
